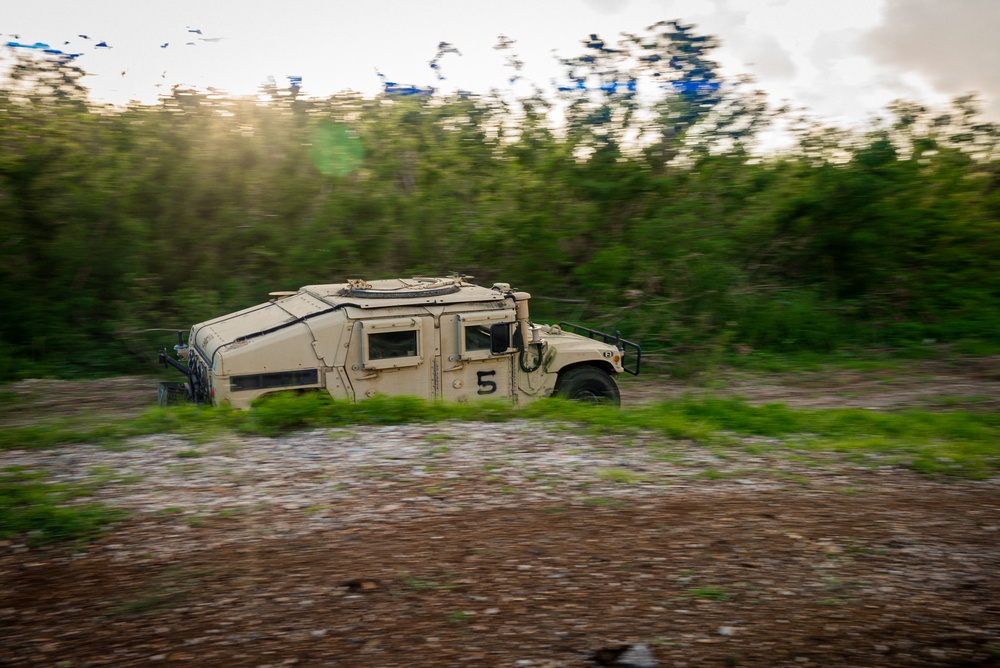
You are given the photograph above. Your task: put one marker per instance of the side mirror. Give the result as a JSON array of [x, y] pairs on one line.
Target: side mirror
[[500, 338]]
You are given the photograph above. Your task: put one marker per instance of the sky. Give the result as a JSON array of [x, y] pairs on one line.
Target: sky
[[843, 60]]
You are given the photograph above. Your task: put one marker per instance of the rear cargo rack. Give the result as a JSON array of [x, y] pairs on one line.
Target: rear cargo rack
[[612, 339]]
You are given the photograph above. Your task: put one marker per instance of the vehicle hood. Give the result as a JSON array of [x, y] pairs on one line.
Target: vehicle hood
[[567, 344]]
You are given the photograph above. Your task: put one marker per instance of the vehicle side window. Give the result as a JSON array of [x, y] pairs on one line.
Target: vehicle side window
[[386, 345], [477, 337], [391, 344], [473, 333], [280, 379]]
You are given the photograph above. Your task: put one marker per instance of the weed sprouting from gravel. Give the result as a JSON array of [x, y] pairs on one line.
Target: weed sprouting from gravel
[[709, 594], [622, 476], [420, 583]]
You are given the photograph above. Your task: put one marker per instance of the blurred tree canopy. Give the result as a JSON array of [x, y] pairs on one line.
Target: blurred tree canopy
[[644, 210]]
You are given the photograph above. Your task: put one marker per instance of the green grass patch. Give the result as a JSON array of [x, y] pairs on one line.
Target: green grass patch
[[28, 438], [978, 347], [282, 412], [149, 602], [46, 513], [622, 476], [10, 399], [236, 511], [196, 422], [952, 443], [102, 476], [709, 593]]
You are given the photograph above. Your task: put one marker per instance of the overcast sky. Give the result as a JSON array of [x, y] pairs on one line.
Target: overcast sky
[[842, 59]]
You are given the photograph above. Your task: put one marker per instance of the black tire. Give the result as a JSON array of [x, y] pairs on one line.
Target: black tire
[[588, 384]]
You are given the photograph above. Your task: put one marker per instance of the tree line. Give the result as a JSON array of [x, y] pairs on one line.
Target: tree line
[[652, 214]]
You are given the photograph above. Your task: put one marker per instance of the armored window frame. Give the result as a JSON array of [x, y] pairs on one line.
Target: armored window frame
[[478, 320], [382, 338]]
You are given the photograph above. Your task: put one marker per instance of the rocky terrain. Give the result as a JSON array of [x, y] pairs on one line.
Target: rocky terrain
[[512, 544]]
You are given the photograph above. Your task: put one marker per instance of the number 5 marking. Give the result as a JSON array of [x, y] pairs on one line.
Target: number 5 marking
[[486, 386]]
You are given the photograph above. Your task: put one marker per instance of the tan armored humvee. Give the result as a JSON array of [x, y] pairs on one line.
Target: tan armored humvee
[[439, 338]]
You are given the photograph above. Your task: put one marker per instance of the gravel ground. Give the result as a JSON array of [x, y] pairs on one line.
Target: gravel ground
[[511, 544]]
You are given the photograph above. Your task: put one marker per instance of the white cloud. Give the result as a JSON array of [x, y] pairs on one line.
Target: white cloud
[[952, 45], [832, 55], [607, 7]]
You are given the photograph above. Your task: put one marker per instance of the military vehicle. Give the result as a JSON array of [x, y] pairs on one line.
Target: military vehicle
[[441, 338]]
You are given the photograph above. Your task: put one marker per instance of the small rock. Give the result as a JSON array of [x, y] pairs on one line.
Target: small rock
[[726, 631], [360, 584], [637, 656]]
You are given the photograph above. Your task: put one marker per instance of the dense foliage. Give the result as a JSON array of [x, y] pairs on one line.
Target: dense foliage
[[646, 213]]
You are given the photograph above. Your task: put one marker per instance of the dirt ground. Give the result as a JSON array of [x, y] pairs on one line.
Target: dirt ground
[[950, 383], [880, 567]]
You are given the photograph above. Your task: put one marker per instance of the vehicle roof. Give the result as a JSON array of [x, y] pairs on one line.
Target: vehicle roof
[[402, 291]]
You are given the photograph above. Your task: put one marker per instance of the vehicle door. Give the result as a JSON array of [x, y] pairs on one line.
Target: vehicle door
[[393, 356], [469, 370]]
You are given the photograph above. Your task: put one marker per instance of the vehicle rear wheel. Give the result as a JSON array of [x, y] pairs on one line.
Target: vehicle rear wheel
[[588, 384]]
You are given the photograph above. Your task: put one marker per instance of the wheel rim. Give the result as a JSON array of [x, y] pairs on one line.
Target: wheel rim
[[589, 396]]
